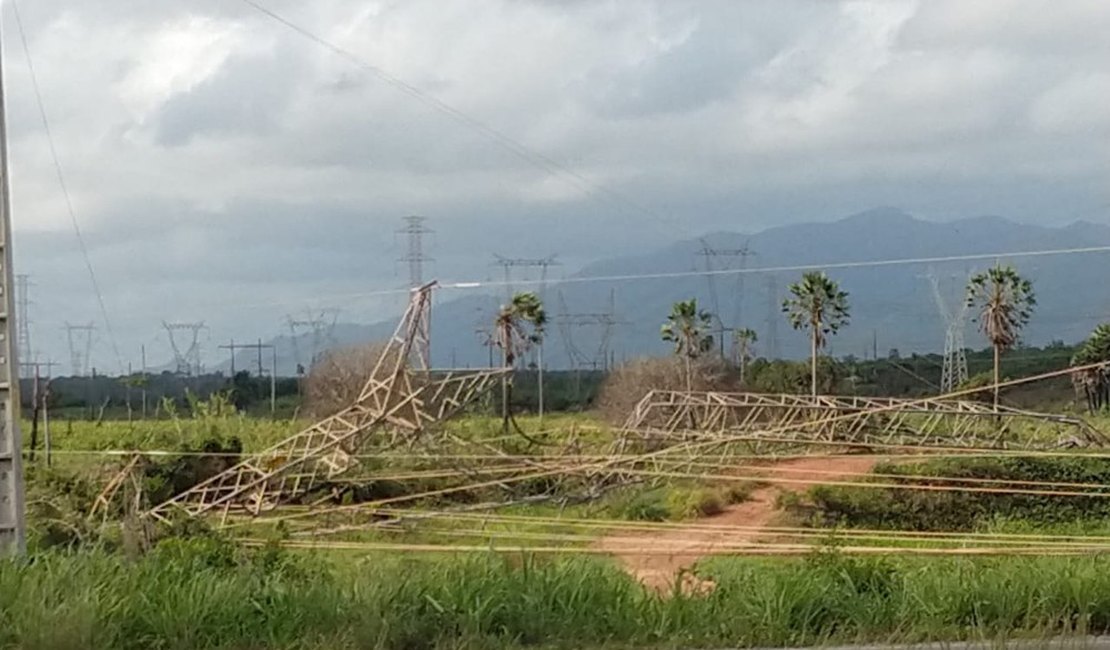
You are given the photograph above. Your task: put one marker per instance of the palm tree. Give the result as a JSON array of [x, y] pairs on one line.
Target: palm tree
[[816, 304], [1093, 382], [688, 328], [743, 339], [518, 326], [1005, 301]]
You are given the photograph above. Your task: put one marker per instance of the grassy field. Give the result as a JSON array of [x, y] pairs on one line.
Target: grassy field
[[87, 585], [207, 594]]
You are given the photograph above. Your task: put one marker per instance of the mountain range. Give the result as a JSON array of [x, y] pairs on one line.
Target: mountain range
[[893, 305]]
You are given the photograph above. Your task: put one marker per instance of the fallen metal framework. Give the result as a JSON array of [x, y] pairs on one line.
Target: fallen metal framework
[[396, 404], [759, 417]]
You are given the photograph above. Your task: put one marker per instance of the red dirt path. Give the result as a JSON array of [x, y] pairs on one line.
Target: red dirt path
[[689, 545]]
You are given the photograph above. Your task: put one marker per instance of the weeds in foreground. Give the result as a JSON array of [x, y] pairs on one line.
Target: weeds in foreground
[[204, 593]]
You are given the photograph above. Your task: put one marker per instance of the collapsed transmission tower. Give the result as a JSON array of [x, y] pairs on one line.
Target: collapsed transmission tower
[[186, 359], [80, 338], [318, 327], [954, 368], [400, 400]]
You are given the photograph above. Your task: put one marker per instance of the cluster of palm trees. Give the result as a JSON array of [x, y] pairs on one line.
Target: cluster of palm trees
[[1003, 300]]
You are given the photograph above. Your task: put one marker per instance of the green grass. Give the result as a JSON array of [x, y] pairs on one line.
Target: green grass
[[205, 594]]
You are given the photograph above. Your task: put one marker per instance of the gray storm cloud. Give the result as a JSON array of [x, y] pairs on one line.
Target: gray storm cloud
[[225, 168]]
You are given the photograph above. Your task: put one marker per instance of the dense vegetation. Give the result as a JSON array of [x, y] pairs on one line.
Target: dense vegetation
[[901, 509]]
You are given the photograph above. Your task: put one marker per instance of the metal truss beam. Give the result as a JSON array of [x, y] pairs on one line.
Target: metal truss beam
[[856, 420], [394, 406]]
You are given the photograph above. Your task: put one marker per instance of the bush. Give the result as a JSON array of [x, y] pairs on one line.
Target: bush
[[629, 383], [335, 381], [899, 508]]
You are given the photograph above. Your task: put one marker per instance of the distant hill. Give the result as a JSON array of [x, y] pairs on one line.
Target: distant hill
[[892, 306]]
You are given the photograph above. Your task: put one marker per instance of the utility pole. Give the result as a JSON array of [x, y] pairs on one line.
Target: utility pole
[[12, 522], [80, 339], [39, 395], [146, 379], [22, 292], [258, 347]]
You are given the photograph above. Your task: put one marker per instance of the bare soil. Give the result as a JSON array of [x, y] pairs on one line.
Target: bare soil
[[660, 571]]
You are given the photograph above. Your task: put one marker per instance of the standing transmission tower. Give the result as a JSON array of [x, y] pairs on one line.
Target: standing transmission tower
[[23, 323], [318, 327], [774, 313], [80, 338], [711, 270], [954, 369], [509, 263], [414, 229], [187, 359]]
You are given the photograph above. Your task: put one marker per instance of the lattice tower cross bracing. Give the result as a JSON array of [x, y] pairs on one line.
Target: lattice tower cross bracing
[[319, 326], [414, 230], [23, 312], [954, 367], [187, 360], [400, 399], [80, 338], [710, 254]]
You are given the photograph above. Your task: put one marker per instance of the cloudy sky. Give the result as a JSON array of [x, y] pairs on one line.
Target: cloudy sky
[[226, 168]]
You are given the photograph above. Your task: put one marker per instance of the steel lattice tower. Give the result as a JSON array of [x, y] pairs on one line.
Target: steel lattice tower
[[415, 230], [954, 368], [22, 292]]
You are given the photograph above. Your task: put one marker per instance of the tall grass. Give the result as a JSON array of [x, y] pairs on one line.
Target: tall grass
[[209, 595]]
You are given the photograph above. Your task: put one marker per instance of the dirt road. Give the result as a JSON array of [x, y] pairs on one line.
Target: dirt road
[[689, 545]]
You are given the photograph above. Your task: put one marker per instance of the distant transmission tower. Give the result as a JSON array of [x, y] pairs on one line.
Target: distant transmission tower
[[415, 230], [774, 313], [319, 326], [80, 339], [508, 264], [187, 359], [711, 270], [954, 368], [23, 320]]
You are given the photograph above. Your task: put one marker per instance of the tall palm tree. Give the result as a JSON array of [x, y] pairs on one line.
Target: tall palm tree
[[688, 328], [816, 304], [743, 339], [1005, 301], [517, 327]]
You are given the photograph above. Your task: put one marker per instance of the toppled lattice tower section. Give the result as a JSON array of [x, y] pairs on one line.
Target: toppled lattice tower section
[[402, 398], [763, 419]]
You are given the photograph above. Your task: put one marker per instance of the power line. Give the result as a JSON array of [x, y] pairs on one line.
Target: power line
[[65, 188]]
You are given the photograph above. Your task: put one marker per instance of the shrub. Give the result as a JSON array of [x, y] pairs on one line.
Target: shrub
[[629, 383]]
